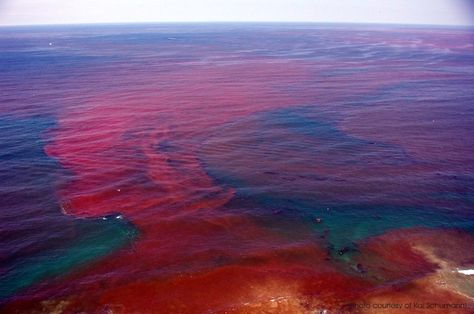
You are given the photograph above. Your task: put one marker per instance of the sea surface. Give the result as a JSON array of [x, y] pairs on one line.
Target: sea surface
[[236, 168]]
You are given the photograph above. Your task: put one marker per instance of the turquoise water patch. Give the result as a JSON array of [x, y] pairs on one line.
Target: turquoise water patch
[[95, 239]]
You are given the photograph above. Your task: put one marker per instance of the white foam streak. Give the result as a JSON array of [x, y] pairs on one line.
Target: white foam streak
[[467, 272]]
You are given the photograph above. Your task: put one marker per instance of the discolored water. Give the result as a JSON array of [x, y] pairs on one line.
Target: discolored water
[[238, 168]]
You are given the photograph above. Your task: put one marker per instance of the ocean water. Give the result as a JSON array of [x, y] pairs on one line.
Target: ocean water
[[236, 168]]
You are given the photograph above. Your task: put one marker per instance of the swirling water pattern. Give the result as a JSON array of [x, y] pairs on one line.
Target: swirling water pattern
[[272, 166]]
